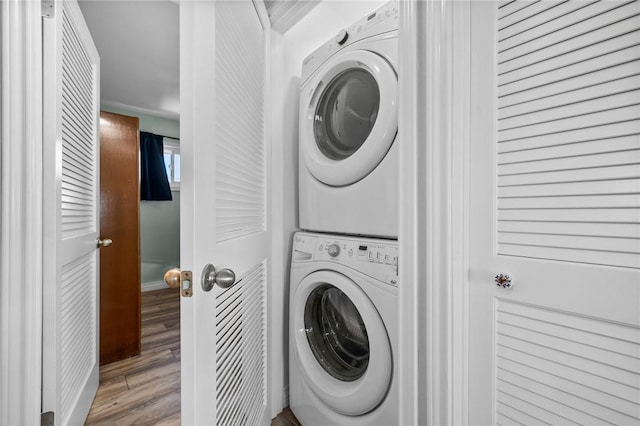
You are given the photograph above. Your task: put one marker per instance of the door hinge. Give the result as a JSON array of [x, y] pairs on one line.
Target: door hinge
[[47, 419], [48, 8]]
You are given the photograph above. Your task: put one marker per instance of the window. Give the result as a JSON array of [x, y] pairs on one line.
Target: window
[[172, 162]]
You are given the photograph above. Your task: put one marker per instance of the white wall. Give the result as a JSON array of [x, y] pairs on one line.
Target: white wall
[[288, 51]]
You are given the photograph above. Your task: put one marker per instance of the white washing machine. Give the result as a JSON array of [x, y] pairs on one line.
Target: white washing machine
[[343, 333], [348, 159]]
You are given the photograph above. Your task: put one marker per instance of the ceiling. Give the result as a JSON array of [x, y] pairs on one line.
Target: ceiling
[[138, 43]]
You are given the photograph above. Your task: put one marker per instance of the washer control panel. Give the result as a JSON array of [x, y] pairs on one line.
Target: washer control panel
[[373, 257]]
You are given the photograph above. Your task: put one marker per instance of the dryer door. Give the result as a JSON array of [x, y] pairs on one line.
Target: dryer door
[[341, 342], [348, 117]]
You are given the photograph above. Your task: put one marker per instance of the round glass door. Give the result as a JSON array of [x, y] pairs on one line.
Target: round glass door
[[341, 345], [348, 117], [336, 333], [346, 113]]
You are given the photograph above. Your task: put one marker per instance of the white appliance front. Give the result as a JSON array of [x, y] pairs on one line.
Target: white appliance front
[[348, 161], [343, 321]]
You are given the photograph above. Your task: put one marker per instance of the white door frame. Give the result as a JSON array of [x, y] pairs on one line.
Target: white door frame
[[433, 235], [20, 212]]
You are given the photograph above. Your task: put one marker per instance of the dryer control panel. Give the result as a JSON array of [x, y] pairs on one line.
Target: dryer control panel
[[373, 257], [380, 21]]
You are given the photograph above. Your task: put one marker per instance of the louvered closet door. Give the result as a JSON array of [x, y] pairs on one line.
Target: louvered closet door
[[71, 197], [555, 203], [224, 210]]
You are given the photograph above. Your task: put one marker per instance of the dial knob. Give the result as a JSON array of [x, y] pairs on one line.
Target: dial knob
[[342, 37], [333, 250]]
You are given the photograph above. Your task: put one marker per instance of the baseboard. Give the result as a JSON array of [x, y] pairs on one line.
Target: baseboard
[[153, 285]]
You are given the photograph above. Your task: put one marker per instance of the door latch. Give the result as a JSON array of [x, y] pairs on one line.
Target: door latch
[[186, 284]]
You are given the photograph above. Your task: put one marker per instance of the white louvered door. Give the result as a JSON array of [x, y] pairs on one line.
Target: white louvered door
[[71, 219], [555, 203], [224, 218]]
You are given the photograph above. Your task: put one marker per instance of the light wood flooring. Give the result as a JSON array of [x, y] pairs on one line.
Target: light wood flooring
[[286, 418], [145, 389]]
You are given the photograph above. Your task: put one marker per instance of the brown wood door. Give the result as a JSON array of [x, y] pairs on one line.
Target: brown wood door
[[120, 323]]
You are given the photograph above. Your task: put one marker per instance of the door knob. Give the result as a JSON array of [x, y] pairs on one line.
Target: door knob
[[104, 242], [172, 277], [225, 278], [176, 278], [503, 281]]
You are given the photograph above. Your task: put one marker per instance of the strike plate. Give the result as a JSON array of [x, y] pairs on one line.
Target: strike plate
[[186, 284]]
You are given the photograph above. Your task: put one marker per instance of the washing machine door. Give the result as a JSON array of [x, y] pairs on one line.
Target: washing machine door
[[348, 117], [341, 342]]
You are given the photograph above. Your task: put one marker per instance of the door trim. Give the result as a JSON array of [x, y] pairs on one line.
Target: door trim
[[21, 214], [433, 232]]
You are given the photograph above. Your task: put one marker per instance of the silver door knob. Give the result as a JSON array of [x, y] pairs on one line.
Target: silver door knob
[[225, 278], [104, 243]]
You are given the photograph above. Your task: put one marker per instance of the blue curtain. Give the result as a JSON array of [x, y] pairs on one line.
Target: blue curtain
[[154, 184]]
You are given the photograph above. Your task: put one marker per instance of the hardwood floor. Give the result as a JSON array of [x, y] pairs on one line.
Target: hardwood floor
[[286, 418], [145, 389]]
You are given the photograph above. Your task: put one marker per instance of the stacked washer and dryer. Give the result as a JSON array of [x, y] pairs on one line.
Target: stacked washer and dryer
[[343, 335]]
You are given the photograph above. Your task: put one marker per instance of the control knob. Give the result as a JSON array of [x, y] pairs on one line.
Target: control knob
[[342, 37], [334, 250]]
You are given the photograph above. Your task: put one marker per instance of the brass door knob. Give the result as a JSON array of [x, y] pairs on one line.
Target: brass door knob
[[104, 242], [172, 278]]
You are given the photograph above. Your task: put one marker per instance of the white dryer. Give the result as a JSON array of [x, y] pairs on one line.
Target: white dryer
[[348, 160], [343, 330]]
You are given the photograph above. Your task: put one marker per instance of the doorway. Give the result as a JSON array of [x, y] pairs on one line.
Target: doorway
[[139, 63]]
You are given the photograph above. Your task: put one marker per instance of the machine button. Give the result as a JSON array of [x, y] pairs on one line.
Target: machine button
[[334, 250], [342, 37], [321, 247]]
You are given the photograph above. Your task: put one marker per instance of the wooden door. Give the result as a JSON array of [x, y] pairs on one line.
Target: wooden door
[[223, 218], [555, 204], [120, 314], [70, 223]]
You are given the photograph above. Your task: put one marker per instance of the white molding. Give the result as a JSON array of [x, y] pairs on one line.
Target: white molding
[[461, 109], [21, 213], [171, 115], [278, 303], [272, 304], [153, 285], [410, 264], [432, 237]]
